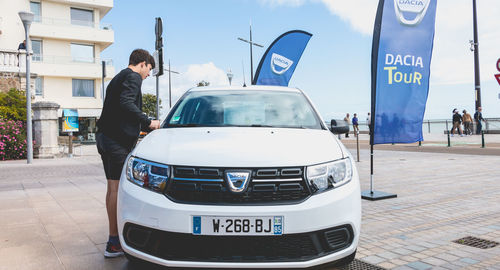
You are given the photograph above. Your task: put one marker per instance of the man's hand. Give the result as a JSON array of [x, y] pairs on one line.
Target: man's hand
[[155, 124]]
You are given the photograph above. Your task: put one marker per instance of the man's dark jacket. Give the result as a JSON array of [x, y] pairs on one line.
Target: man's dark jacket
[[122, 118]]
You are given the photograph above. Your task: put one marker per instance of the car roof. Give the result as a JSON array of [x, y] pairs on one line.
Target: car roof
[[246, 88]]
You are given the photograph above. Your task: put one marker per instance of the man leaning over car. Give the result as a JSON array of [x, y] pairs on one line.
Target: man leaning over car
[[119, 126]]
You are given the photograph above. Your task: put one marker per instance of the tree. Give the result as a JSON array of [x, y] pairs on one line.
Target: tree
[[13, 105], [149, 105], [203, 83]]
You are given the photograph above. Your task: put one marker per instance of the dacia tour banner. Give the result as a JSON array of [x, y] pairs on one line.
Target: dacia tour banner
[[401, 56], [278, 63]]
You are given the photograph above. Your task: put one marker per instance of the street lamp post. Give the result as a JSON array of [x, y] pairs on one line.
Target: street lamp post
[[229, 76], [27, 18], [475, 48], [170, 84]]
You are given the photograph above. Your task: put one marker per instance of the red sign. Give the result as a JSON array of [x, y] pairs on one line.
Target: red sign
[[498, 68]]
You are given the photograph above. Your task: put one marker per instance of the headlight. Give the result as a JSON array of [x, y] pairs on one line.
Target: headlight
[[330, 175], [147, 174]]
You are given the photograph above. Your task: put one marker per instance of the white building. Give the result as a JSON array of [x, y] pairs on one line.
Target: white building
[[67, 39]]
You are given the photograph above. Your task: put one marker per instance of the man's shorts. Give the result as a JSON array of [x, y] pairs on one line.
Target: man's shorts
[[113, 156]]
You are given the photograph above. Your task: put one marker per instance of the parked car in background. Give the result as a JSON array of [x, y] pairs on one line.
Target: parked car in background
[[240, 177]]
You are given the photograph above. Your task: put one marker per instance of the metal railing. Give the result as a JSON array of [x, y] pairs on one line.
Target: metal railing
[[15, 60], [71, 22], [438, 126], [57, 59]]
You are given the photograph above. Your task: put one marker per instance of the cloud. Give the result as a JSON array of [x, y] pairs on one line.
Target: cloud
[[452, 60], [188, 78]]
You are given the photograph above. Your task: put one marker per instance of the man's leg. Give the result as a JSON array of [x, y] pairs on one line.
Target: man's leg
[[111, 196]]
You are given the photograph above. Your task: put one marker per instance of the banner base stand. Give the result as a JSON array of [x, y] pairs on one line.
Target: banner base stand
[[376, 195]]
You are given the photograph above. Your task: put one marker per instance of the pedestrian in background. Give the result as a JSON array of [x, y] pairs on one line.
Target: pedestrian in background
[[467, 118], [355, 125], [457, 121], [369, 123], [22, 46], [119, 126], [478, 117], [347, 120]]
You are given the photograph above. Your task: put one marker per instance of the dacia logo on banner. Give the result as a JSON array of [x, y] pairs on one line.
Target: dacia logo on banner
[[415, 9], [280, 64]]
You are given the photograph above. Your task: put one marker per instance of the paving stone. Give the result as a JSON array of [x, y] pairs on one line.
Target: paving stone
[[468, 260], [373, 259], [419, 265], [434, 261]]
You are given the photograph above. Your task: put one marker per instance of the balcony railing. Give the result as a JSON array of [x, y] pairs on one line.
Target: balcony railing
[[75, 23], [56, 59], [15, 60], [12, 61]]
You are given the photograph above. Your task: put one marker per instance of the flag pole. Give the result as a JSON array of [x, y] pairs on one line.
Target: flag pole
[[371, 194]]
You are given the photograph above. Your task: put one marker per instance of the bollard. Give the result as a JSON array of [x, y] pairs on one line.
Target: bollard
[[448, 133], [482, 139], [357, 143], [429, 125], [419, 143], [70, 144]]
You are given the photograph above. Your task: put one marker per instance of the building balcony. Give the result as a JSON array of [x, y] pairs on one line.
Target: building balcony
[[65, 66], [12, 61], [75, 31], [104, 6]]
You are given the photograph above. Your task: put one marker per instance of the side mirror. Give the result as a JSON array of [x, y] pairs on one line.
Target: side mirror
[[338, 127]]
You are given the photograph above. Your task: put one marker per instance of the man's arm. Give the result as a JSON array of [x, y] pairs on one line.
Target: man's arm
[[128, 96]]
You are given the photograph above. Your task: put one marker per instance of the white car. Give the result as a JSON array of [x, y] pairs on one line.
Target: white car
[[246, 177]]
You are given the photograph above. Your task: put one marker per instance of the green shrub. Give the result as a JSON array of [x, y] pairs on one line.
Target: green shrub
[[13, 105]]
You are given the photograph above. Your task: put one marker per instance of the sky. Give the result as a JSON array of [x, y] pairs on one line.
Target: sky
[[201, 41]]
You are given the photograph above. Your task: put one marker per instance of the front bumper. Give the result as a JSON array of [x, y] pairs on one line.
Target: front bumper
[[161, 218]]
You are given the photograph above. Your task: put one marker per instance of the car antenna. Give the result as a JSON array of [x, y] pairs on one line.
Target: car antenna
[[243, 66]]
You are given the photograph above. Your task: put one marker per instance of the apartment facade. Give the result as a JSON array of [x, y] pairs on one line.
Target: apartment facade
[[67, 38]]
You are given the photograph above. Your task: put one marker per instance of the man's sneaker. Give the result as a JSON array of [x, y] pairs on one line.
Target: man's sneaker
[[113, 251]]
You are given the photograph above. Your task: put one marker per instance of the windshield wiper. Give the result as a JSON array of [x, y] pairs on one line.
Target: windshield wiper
[[256, 125]]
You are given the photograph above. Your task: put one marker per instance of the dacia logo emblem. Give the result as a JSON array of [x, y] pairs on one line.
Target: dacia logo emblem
[[238, 181], [280, 64], [415, 9]]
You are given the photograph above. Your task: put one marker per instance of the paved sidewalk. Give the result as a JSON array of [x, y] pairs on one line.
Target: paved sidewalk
[[53, 216]]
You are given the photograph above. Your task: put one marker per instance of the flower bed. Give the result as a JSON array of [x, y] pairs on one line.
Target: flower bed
[[12, 140]]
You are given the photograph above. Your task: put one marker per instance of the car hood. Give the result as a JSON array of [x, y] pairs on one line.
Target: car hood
[[239, 147]]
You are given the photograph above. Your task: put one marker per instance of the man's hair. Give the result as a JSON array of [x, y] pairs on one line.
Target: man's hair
[[140, 55]]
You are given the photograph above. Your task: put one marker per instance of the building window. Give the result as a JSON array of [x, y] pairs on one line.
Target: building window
[[39, 86], [36, 8], [82, 17], [82, 53], [36, 46], [83, 88]]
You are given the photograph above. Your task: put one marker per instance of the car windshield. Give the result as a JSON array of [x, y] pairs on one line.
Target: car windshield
[[250, 108]]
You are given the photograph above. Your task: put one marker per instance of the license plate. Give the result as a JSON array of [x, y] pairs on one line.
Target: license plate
[[219, 225]]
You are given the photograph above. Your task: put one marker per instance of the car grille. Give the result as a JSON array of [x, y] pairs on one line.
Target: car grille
[[208, 186], [284, 248]]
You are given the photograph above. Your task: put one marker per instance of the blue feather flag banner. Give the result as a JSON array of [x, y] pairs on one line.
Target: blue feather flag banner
[[401, 56], [281, 58]]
